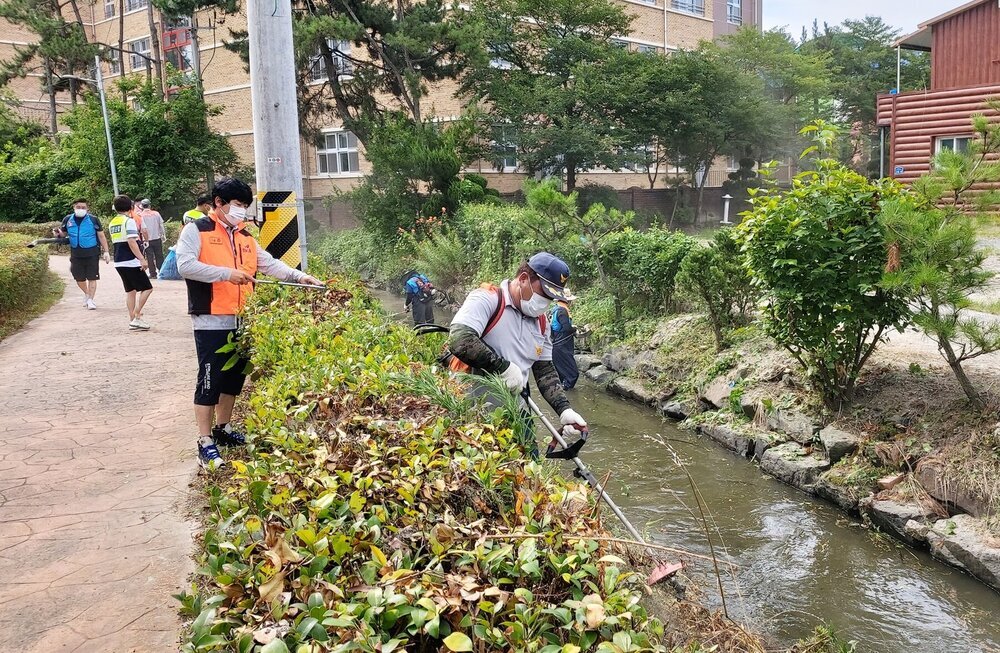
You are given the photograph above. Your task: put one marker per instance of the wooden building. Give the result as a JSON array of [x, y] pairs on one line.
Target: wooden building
[[965, 71]]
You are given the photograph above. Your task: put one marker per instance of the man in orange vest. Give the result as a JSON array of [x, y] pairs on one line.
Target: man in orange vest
[[219, 259]]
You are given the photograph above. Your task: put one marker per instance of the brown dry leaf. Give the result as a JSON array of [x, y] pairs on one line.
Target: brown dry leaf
[[666, 570], [265, 635], [279, 552], [234, 591], [443, 533], [272, 588], [595, 610]]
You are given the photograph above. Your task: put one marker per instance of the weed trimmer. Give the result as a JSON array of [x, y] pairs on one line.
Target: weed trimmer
[[289, 283], [48, 241]]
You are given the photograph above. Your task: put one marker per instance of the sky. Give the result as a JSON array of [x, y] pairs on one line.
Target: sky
[[905, 15]]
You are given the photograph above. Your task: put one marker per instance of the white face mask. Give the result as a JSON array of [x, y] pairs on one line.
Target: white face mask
[[236, 215], [535, 306], [80, 213]]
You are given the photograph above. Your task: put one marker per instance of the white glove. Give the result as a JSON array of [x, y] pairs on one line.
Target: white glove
[[513, 377], [573, 425], [106, 257]]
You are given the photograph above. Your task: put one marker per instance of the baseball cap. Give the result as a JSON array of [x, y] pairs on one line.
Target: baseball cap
[[145, 203], [553, 273]]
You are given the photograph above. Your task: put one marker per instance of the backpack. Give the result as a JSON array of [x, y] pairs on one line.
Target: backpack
[[452, 362]]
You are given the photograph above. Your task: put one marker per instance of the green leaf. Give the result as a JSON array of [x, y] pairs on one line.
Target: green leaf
[[275, 646], [458, 642]]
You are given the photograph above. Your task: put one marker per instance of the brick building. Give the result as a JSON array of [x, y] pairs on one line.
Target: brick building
[[335, 163]]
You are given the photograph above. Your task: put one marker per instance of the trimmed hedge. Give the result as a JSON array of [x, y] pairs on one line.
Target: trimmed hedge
[[33, 229], [22, 271]]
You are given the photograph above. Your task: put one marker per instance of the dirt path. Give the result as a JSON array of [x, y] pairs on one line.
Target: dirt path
[[96, 454]]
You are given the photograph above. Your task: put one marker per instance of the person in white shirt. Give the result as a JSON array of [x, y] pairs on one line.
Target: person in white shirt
[[129, 262], [155, 232]]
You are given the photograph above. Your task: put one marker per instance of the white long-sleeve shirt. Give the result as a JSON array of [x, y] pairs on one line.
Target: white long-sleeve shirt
[[189, 249]]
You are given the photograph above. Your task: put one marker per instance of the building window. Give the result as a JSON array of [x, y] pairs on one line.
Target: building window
[[317, 64], [733, 163], [132, 5], [505, 148], [952, 144], [690, 6], [139, 57], [114, 65], [734, 12], [647, 49], [338, 153], [620, 44], [110, 7]]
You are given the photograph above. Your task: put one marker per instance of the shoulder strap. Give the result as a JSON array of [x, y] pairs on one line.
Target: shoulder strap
[[498, 313], [541, 323]]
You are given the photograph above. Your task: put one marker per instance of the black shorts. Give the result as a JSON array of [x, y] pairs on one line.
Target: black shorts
[[87, 268], [212, 379], [134, 279]]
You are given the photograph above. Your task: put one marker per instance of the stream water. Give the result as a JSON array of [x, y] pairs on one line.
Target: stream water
[[799, 560]]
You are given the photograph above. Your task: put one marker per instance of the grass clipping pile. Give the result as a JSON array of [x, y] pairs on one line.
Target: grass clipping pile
[[377, 511]]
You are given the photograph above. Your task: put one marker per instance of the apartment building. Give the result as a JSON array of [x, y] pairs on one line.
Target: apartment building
[[336, 161]]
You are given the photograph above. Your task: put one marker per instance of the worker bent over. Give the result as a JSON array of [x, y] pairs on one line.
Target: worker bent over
[[503, 330], [218, 259]]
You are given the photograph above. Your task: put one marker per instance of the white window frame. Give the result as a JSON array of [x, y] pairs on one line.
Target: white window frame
[[136, 61], [110, 8], [505, 143], [114, 65], [642, 48], [940, 141], [317, 64], [695, 7], [344, 149], [621, 44], [734, 12], [135, 5]]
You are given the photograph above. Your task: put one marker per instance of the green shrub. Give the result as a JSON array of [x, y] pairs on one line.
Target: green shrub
[[35, 230], [22, 271], [498, 237], [591, 193], [361, 252], [444, 259], [375, 509], [643, 265], [818, 252], [717, 277]]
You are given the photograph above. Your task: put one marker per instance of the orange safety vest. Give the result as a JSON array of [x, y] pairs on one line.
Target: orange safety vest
[[222, 297]]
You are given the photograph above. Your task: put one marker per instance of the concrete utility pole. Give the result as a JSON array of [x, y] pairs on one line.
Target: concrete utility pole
[[276, 130]]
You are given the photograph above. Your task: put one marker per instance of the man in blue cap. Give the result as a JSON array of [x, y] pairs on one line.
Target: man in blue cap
[[503, 330]]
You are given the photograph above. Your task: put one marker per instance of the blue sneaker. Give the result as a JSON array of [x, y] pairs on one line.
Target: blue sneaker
[[225, 438], [208, 456]]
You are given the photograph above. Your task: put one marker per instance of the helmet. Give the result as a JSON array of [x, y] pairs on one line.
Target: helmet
[[228, 189]]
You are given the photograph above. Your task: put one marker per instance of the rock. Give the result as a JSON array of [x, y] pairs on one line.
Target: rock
[[616, 360], [599, 375], [728, 437], [790, 463], [842, 496], [891, 516], [792, 423], [586, 361], [930, 473], [679, 410], [838, 443], [963, 541], [717, 393], [667, 331], [749, 406], [917, 530], [891, 481], [762, 441], [633, 389]]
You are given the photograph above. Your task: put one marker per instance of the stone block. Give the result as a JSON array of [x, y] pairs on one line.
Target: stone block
[[838, 443], [965, 542], [749, 406], [633, 389], [891, 481], [586, 361], [616, 359], [841, 496], [930, 473], [728, 437], [798, 426], [791, 463], [717, 393], [599, 375], [679, 410], [892, 516]]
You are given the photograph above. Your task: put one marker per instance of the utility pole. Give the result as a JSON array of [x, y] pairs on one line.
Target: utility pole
[[276, 130]]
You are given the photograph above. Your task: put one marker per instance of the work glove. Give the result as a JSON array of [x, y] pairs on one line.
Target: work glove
[[573, 425], [106, 257], [513, 377]]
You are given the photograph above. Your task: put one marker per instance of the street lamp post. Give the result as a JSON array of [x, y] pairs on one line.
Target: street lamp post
[[99, 80]]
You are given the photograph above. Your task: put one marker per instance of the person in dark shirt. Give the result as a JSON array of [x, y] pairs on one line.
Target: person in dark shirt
[[563, 337], [87, 244]]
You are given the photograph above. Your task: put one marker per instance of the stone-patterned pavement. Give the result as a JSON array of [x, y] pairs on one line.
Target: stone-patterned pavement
[[96, 453]]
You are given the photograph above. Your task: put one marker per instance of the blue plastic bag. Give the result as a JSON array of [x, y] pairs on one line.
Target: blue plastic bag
[[168, 270]]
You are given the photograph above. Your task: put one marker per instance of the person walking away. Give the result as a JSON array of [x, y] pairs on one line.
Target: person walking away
[[202, 207], [218, 260], [419, 298], [87, 245], [129, 262], [503, 330], [155, 232], [563, 337]]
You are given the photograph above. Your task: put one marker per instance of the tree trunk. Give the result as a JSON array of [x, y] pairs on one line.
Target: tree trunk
[[53, 115], [570, 164], [154, 40], [956, 367]]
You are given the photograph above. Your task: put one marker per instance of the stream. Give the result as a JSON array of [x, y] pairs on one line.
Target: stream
[[800, 561]]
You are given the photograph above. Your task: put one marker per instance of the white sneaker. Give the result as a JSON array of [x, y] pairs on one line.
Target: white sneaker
[[86, 301], [91, 304], [139, 325]]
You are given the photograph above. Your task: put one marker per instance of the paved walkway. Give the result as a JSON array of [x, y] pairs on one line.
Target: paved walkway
[[96, 454]]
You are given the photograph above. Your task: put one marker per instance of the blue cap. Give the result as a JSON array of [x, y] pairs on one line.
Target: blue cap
[[553, 272]]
